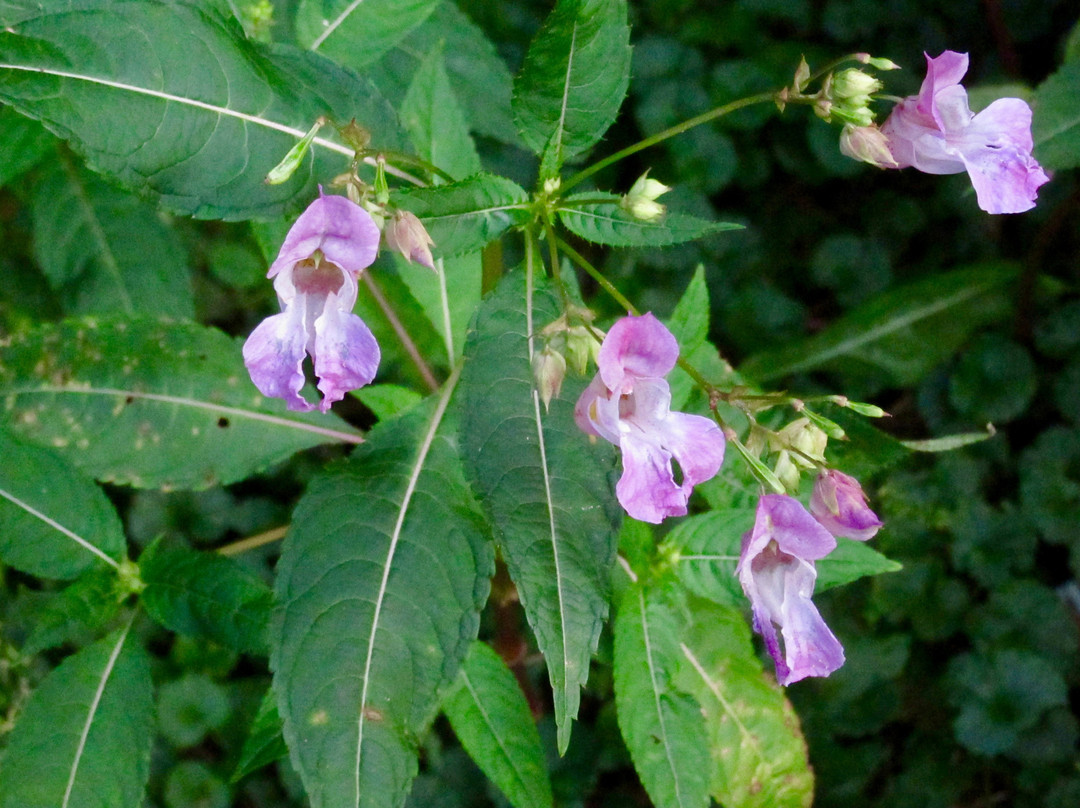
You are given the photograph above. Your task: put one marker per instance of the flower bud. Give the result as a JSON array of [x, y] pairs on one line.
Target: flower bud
[[807, 440], [854, 84], [867, 143], [876, 61], [405, 234], [839, 504], [291, 161], [549, 369], [641, 202]]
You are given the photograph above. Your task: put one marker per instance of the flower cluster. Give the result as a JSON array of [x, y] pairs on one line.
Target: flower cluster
[[628, 403], [777, 572]]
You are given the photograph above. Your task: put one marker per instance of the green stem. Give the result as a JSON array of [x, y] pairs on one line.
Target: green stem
[[564, 296], [678, 129], [402, 333], [597, 276]]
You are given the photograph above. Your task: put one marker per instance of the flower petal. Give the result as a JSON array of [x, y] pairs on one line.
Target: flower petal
[[810, 647], [996, 150], [647, 489], [697, 444], [344, 232], [274, 355], [635, 348], [346, 354]]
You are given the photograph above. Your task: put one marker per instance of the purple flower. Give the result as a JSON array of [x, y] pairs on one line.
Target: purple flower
[[777, 574], [838, 502], [628, 404], [315, 277], [936, 132]]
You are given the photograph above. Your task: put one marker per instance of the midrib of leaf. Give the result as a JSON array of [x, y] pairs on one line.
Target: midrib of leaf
[[714, 688], [406, 500], [57, 526], [566, 91], [105, 251], [345, 437], [883, 330], [655, 687], [491, 725], [333, 26], [563, 730], [105, 674], [477, 212], [191, 102]]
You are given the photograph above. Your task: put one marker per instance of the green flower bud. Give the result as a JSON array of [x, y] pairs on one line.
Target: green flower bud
[[641, 202]]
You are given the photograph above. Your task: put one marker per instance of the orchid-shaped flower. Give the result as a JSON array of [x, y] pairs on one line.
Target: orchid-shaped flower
[[776, 570], [839, 504], [628, 404], [936, 132], [315, 277]]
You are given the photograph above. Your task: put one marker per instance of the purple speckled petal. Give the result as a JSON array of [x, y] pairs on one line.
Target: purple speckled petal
[[344, 232], [346, 354], [697, 444], [810, 648], [647, 489], [996, 150], [635, 348], [274, 355]]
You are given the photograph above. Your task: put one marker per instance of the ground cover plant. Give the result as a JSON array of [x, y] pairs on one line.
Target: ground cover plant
[[410, 402]]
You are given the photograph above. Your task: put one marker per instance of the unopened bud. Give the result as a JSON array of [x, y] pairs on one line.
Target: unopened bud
[[406, 234], [867, 143], [876, 61], [641, 202], [802, 75], [549, 369], [854, 84], [581, 347], [355, 135], [807, 440], [787, 472], [288, 165]]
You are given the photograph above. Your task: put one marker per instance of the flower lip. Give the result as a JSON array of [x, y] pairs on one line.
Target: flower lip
[[342, 231], [636, 348]]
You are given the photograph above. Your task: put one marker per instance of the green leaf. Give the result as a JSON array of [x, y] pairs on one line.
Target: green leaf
[[850, 561], [1055, 125], [491, 718], [357, 32], [84, 736], [949, 443], [264, 744], [76, 614], [448, 301], [690, 320], [574, 78], [758, 752], [464, 216], [206, 595], [387, 400], [902, 334], [605, 222], [105, 251], [380, 585], [436, 125], [54, 520], [662, 727], [149, 403], [23, 143], [175, 102], [548, 491], [708, 547]]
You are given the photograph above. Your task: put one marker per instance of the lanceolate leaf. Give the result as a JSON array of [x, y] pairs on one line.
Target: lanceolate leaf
[[1056, 123], [54, 520], [380, 585], [206, 595], [574, 78], [604, 222], [76, 614], [549, 491], [464, 216], [903, 333], [149, 403], [174, 101], [105, 250], [758, 752], [357, 32], [84, 736], [264, 744], [662, 727], [492, 720]]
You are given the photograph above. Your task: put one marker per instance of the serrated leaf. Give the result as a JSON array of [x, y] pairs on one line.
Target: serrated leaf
[[449, 300], [175, 102], [574, 78], [690, 320], [83, 738], [77, 613], [662, 727], [549, 492], [23, 143], [758, 753], [54, 520], [148, 403], [380, 584], [206, 595], [491, 718], [850, 561], [436, 125], [357, 32], [464, 216], [104, 250], [903, 333], [605, 222], [263, 744], [387, 400], [1055, 125]]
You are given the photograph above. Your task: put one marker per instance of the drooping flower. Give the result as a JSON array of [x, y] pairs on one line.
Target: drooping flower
[[777, 573], [936, 132], [839, 504], [405, 233], [628, 404], [315, 276]]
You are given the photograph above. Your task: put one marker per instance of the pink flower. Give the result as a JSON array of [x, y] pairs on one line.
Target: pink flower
[[315, 277], [838, 502], [777, 574], [936, 132], [628, 404]]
